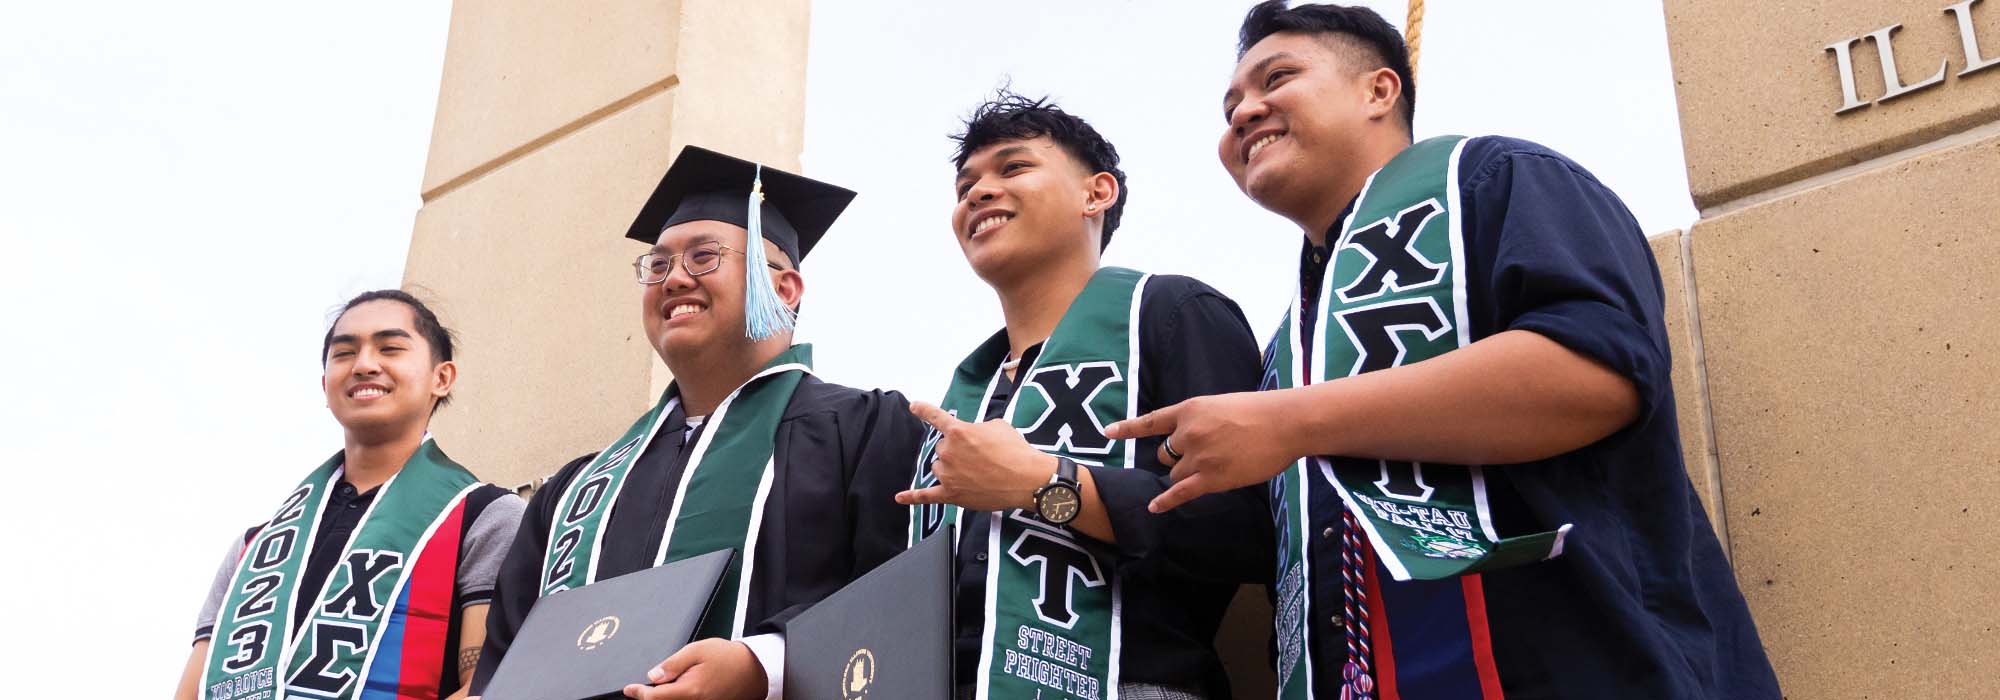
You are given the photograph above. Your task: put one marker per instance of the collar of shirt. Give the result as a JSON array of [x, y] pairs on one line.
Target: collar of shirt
[[346, 496], [1313, 262], [996, 407]]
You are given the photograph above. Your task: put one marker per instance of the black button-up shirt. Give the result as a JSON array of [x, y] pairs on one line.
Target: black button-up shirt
[[1178, 571]]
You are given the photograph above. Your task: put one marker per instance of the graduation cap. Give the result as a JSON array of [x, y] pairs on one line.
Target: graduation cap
[[790, 211]]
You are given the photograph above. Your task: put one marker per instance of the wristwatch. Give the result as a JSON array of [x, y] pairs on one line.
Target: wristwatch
[[1058, 502]]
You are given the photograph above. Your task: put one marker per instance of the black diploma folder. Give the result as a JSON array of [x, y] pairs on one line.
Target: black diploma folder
[[590, 642], [886, 636]]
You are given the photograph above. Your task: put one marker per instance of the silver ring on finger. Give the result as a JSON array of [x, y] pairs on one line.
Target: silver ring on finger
[[1168, 446]]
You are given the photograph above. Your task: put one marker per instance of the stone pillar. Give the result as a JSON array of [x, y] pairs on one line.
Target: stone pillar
[[1843, 287], [554, 122]]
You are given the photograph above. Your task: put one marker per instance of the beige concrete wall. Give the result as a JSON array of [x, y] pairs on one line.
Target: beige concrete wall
[[1843, 301], [554, 122], [1851, 335], [520, 75], [1758, 88], [1690, 394]]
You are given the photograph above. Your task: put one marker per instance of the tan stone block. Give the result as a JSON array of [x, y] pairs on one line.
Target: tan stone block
[[529, 265], [1852, 344], [1690, 399], [742, 71], [518, 74], [1758, 88]]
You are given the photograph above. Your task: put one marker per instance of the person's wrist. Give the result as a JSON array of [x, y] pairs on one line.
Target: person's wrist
[[755, 679], [1293, 432]]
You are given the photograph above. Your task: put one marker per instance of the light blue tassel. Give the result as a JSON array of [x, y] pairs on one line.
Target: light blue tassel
[[765, 314]]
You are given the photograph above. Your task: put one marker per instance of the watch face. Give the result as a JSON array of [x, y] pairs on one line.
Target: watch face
[[1057, 504]]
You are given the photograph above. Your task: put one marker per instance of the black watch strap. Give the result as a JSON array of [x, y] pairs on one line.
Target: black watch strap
[[1066, 471], [1064, 487]]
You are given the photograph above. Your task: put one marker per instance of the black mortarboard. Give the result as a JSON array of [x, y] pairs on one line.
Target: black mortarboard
[[703, 185]]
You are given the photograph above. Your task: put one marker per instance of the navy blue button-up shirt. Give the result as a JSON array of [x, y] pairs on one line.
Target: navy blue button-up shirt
[[1642, 603]]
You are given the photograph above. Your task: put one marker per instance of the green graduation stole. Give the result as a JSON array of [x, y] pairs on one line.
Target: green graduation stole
[[1052, 610], [728, 479], [254, 641], [1394, 295]]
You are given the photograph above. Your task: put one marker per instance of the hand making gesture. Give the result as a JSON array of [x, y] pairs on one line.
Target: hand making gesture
[[989, 467]]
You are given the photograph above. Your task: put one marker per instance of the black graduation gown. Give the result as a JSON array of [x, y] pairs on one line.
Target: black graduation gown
[[842, 455]]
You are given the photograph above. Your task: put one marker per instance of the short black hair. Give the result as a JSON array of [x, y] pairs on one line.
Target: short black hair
[[1359, 24], [1010, 117], [428, 326]]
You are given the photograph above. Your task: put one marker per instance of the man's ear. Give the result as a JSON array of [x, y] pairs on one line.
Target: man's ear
[[443, 377], [1385, 90], [791, 286], [1101, 195]]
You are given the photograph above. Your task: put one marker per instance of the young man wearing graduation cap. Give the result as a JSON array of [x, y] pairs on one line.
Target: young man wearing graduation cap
[[796, 474], [1462, 302], [1067, 586]]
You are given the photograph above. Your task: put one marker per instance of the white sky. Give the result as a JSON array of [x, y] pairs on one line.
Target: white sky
[[187, 189]]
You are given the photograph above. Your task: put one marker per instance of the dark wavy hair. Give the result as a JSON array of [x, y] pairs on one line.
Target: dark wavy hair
[[428, 326], [1011, 117], [1359, 25]]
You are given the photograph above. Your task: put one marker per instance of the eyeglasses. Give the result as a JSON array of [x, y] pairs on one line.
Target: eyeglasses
[[653, 268]]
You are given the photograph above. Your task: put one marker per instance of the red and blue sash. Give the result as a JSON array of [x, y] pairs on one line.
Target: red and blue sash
[[378, 626]]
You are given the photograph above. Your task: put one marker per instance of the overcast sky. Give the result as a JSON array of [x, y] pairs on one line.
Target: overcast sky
[[187, 189]]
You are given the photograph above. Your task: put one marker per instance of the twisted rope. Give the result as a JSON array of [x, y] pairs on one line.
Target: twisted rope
[[1413, 32]]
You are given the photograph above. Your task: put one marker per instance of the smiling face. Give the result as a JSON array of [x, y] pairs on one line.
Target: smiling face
[[380, 373], [687, 316], [1305, 113], [1024, 203]]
